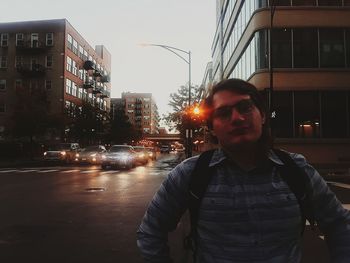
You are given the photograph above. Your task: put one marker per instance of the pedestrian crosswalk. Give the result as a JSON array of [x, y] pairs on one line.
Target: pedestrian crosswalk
[[43, 170]]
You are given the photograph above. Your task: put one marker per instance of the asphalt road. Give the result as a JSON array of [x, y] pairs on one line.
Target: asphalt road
[[84, 214]]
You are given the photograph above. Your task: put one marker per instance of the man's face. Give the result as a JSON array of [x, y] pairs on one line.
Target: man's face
[[236, 120]]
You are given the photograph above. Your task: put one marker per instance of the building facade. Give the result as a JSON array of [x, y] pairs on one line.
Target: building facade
[[52, 56], [142, 111], [302, 66]]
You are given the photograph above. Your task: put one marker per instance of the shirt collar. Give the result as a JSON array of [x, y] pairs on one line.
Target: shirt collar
[[219, 156]]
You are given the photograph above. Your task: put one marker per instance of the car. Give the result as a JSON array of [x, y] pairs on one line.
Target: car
[[165, 149], [152, 153], [90, 154], [119, 156], [64, 152], [141, 154]]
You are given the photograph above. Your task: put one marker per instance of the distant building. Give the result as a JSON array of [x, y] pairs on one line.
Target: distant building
[[142, 111], [52, 56], [309, 64]]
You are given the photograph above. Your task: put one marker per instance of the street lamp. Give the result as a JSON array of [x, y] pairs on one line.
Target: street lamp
[[177, 52]]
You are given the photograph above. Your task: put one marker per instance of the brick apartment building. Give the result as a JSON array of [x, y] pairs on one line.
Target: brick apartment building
[[51, 55], [142, 111]]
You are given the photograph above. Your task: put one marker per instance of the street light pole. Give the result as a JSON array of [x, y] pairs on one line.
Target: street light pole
[[177, 51], [271, 89]]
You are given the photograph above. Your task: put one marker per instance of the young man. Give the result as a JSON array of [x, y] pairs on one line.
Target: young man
[[248, 213]]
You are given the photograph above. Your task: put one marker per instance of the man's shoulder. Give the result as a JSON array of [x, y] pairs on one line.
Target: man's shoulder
[[298, 158]]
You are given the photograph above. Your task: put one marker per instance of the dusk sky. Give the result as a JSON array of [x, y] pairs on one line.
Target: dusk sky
[[123, 25]]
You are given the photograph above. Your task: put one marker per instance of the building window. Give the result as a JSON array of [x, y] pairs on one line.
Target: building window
[[334, 114], [3, 62], [281, 48], [74, 68], [4, 39], [69, 64], [2, 84], [283, 122], [81, 52], [68, 86], [347, 42], [34, 40], [18, 84], [329, 2], [304, 2], [2, 107], [75, 47], [307, 114], [18, 61], [49, 61], [261, 49], [49, 39], [69, 42], [305, 48], [282, 3], [332, 48], [48, 84], [19, 40]]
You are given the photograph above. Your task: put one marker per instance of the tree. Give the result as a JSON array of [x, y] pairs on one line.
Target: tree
[[30, 119], [121, 130], [180, 119], [87, 124]]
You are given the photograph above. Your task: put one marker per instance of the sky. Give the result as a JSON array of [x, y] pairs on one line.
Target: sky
[[122, 25]]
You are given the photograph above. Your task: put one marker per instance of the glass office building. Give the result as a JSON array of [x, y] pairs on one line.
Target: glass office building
[[304, 47]]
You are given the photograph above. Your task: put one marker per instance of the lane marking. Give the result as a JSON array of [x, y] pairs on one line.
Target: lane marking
[[108, 172], [27, 171], [8, 171], [88, 171], [47, 171], [70, 171]]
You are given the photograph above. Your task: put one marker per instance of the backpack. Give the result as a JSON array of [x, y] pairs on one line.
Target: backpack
[[295, 177]]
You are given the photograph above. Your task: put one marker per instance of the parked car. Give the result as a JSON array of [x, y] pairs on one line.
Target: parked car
[[141, 155], [65, 152], [91, 154], [152, 153], [165, 149], [119, 156]]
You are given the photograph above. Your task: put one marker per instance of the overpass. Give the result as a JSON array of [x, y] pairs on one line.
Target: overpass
[[166, 138]]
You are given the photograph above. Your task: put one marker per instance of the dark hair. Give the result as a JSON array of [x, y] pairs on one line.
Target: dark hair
[[242, 87]]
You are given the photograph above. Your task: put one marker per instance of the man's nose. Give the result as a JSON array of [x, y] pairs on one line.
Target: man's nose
[[236, 115]]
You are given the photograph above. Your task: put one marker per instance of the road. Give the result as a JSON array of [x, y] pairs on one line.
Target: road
[[85, 214]]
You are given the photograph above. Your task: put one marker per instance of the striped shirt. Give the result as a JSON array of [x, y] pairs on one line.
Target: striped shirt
[[244, 216]]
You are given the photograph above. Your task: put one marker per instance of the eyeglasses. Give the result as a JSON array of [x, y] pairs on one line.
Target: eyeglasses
[[243, 107]]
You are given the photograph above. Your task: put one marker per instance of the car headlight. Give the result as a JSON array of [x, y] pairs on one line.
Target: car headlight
[[141, 155], [103, 157], [77, 155], [63, 153], [45, 153]]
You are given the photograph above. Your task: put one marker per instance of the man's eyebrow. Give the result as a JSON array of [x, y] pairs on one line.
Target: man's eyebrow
[[232, 105]]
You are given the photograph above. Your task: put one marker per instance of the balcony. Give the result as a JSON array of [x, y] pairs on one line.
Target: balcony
[[89, 65], [97, 73], [31, 46], [105, 94], [89, 84], [105, 78], [97, 90], [31, 70]]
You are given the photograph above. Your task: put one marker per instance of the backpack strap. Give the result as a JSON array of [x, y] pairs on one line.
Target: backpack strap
[[199, 181], [299, 183]]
